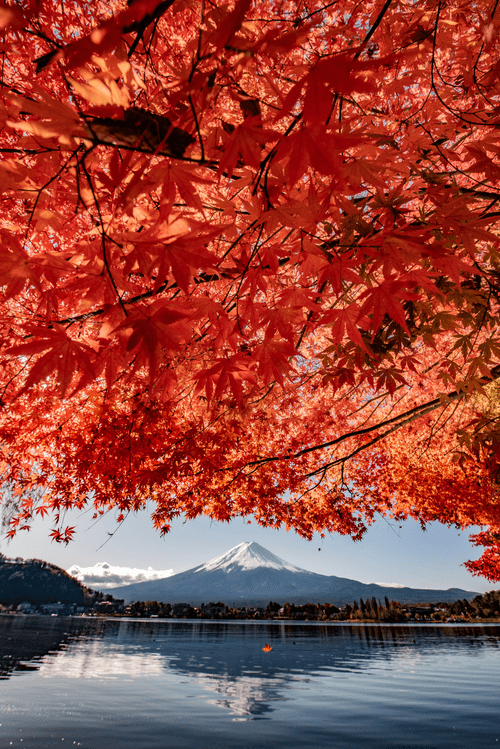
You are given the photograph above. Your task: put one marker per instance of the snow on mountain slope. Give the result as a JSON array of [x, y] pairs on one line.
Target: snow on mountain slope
[[247, 556], [249, 573]]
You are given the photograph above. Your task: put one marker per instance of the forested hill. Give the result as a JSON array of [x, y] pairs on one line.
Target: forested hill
[[37, 582]]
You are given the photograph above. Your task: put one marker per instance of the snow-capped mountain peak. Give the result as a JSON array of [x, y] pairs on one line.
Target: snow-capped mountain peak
[[249, 573], [247, 556]]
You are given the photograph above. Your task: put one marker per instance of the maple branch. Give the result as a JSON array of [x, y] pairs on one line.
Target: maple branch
[[141, 26], [266, 162], [28, 151], [141, 131], [42, 189], [103, 234], [378, 438], [423, 411], [298, 21], [437, 426], [198, 132], [374, 27], [397, 421]]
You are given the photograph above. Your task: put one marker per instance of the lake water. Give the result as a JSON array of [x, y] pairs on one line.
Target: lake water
[[115, 684]]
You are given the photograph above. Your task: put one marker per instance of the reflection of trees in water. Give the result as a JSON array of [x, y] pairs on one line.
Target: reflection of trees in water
[[26, 640], [227, 658], [344, 642], [224, 658]]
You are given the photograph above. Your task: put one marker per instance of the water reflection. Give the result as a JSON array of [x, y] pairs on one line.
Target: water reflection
[[224, 659], [25, 641]]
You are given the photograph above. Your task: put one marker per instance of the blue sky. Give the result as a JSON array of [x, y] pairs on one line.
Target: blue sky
[[388, 554]]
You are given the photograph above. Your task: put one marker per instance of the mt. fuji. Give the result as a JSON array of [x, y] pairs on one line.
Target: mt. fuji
[[250, 574], [248, 556]]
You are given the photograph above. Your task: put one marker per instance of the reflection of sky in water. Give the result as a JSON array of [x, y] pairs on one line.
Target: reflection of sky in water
[[224, 662], [206, 685], [246, 696], [96, 660]]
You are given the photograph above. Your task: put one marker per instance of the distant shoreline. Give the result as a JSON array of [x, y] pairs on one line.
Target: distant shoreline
[[277, 620]]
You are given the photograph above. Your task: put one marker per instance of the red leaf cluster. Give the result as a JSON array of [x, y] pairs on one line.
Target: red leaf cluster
[[249, 262]]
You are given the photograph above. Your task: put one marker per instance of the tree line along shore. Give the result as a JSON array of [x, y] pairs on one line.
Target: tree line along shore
[[484, 608], [34, 586]]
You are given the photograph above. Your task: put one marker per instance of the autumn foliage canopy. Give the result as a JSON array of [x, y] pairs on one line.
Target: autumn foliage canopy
[[250, 263]]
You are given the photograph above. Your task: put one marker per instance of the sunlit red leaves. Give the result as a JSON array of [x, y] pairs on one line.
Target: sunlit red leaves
[[384, 299], [232, 373], [273, 358], [63, 357], [487, 566], [243, 146], [11, 16], [184, 261], [155, 330], [489, 563], [55, 119], [239, 243], [333, 75], [282, 320], [312, 147], [186, 179], [107, 35], [231, 22], [176, 250], [337, 270], [102, 90], [346, 323], [15, 269]]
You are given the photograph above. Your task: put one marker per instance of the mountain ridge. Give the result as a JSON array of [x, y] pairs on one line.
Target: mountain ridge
[[249, 573]]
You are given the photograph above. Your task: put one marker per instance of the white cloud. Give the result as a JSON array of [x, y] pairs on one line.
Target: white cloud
[[103, 575]]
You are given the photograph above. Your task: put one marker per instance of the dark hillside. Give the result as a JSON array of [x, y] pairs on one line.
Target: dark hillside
[[36, 581]]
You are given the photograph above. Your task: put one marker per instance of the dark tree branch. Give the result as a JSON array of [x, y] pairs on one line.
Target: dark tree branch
[[396, 422], [373, 28]]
